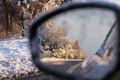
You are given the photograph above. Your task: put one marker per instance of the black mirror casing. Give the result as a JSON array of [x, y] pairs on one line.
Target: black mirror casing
[[34, 40]]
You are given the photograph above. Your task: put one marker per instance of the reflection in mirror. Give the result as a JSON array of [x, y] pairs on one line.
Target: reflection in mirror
[[78, 35], [88, 26]]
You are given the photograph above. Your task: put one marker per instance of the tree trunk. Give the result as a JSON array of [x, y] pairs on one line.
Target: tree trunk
[[3, 21], [7, 15]]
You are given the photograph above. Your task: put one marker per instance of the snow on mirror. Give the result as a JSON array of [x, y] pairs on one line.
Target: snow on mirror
[[77, 34]]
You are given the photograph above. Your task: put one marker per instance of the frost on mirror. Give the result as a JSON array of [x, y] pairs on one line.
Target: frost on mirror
[[78, 34]]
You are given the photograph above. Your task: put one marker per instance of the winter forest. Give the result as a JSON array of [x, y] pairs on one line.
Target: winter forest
[[17, 15]]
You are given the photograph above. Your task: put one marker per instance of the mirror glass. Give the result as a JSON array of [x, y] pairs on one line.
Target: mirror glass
[[76, 35]]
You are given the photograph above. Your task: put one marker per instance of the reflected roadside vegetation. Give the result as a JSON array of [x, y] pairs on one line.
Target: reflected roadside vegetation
[[85, 28]]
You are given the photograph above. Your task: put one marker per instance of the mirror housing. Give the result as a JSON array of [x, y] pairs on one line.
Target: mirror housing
[[34, 39]]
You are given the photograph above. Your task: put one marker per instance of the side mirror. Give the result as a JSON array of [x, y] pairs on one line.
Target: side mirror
[[84, 31]]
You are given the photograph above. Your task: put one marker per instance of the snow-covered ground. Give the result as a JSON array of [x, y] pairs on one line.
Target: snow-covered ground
[[15, 58]]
